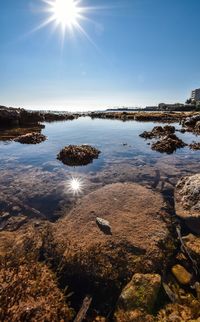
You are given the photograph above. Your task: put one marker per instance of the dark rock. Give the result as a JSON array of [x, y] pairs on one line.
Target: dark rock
[[76, 155], [104, 225], [158, 131], [191, 121], [187, 204], [195, 146], [168, 144], [192, 243], [31, 138]]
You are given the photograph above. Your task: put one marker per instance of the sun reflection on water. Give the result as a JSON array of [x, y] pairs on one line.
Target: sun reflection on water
[[75, 186]]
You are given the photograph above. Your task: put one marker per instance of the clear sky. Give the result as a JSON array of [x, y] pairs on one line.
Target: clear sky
[[129, 53]]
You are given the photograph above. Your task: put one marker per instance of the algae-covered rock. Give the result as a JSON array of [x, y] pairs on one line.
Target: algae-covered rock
[[181, 274], [192, 243], [76, 155], [158, 131], [176, 313], [31, 138], [187, 195], [133, 316], [168, 144], [141, 292]]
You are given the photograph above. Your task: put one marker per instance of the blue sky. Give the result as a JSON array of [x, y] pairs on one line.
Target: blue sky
[[138, 53]]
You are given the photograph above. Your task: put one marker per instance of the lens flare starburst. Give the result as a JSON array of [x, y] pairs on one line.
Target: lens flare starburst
[[75, 186], [65, 14]]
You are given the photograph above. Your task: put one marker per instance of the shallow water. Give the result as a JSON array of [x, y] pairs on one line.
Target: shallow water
[[31, 177]]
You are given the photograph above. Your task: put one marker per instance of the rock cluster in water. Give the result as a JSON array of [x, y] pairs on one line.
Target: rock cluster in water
[[168, 144], [77, 155], [158, 131], [31, 138]]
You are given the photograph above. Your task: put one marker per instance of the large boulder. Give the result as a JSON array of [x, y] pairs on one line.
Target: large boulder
[[139, 241], [187, 195]]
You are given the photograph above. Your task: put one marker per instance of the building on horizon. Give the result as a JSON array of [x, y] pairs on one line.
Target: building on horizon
[[195, 95]]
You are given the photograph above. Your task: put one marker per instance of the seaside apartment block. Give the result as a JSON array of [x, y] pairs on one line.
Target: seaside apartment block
[[196, 94]]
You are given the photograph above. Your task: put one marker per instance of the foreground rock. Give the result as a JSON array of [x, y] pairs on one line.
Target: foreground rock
[[140, 239], [181, 274], [158, 131], [76, 155], [187, 204], [140, 293], [192, 243], [168, 144], [31, 138], [29, 289]]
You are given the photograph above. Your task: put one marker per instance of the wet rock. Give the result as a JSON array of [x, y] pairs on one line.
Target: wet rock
[[31, 138], [168, 144], [9, 116], [140, 293], [181, 274], [197, 127], [52, 117], [195, 146], [158, 131], [192, 243], [187, 195], [104, 225], [140, 239], [191, 121], [76, 155]]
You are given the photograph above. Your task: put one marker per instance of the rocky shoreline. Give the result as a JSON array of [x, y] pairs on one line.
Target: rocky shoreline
[[145, 269]]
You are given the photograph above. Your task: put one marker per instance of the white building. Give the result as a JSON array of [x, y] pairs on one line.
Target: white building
[[196, 94]]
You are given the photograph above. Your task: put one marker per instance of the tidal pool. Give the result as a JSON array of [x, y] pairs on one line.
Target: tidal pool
[[34, 183]]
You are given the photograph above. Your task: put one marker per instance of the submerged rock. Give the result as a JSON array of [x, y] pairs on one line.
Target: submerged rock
[[181, 274], [168, 144], [187, 204], [140, 293], [140, 239], [31, 138], [76, 155]]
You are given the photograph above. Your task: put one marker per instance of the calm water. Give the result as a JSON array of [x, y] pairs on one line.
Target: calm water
[[32, 175]]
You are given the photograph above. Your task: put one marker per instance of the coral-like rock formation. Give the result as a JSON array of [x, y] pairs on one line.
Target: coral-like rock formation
[[168, 144], [76, 155]]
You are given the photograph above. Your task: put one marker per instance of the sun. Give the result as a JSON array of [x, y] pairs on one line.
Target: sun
[[66, 12]]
